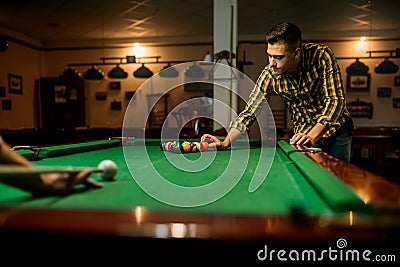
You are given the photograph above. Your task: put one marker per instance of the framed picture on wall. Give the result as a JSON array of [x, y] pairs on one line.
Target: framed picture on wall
[[115, 85], [6, 104], [101, 95], [14, 84], [129, 94], [116, 105], [396, 102], [358, 83], [2, 91], [384, 92], [397, 81]]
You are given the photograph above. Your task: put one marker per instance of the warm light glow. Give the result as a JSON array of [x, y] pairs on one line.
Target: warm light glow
[[351, 218], [363, 38], [359, 48], [138, 214], [137, 50], [178, 230]]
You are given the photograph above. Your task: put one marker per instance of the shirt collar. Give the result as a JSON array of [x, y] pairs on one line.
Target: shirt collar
[[304, 62]]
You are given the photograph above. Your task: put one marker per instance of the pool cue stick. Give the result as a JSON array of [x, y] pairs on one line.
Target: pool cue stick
[[24, 147], [312, 150], [10, 169]]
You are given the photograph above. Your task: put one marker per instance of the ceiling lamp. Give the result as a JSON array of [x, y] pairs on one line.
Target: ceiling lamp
[[387, 66], [93, 74], [70, 73], [357, 68], [194, 71], [117, 73], [169, 72], [142, 72]]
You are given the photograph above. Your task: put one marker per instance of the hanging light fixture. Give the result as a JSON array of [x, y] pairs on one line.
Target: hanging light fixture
[[117, 73], [143, 72], [194, 71], [169, 71], [93, 74], [70, 73], [387, 66], [357, 68]]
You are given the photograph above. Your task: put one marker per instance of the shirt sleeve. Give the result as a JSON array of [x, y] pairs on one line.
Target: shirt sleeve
[[333, 90], [257, 99]]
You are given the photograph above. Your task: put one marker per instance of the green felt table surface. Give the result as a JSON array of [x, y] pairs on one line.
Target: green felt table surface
[[294, 180]]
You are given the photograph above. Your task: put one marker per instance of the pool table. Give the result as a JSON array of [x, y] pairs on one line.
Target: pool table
[[300, 198]]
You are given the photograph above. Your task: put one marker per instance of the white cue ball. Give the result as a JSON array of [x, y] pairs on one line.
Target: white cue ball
[[108, 169]]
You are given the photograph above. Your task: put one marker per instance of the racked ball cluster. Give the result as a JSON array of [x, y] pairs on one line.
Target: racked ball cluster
[[184, 147]]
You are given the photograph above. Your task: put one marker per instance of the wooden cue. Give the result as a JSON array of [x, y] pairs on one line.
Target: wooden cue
[[23, 147], [9, 169]]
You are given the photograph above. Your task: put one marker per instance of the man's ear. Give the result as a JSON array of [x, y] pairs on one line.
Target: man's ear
[[297, 53]]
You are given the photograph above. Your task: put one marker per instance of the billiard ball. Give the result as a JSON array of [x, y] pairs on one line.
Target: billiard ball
[[162, 145], [204, 146], [176, 147], [108, 169], [185, 147], [168, 146], [193, 147]]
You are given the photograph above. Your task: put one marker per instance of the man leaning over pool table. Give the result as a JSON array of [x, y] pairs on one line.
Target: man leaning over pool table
[[308, 79], [45, 183]]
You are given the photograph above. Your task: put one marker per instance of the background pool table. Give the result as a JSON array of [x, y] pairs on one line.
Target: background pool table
[[301, 200]]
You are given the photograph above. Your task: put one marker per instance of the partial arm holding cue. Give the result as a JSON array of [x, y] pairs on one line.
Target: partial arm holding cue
[[40, 183]]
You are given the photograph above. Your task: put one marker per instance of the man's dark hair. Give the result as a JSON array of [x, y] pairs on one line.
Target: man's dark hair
[[287, 32]]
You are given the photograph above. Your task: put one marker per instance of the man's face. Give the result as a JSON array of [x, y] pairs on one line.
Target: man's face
[[281, 59]]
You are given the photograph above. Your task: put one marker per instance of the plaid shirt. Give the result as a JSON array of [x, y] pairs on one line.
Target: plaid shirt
[[315, 94]]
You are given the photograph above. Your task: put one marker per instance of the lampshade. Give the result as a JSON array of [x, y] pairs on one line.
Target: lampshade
[[70, 73], [93, 74], [357, 68], [169, 71], [194, 71], [117, 73], [386, 67], [142, 72]]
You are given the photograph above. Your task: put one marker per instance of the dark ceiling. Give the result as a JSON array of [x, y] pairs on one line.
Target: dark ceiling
[[50, 24]]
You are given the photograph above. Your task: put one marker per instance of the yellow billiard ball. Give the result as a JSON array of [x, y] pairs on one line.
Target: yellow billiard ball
[[186, 147]]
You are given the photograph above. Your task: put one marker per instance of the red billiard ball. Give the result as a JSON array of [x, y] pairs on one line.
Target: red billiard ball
[[204, 146]]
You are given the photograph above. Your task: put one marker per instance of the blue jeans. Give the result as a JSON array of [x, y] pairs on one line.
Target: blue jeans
[[339, 143]]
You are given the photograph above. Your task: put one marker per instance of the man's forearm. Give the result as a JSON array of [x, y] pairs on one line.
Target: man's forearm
[[232, 135], [10, 157], [316, 132]]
